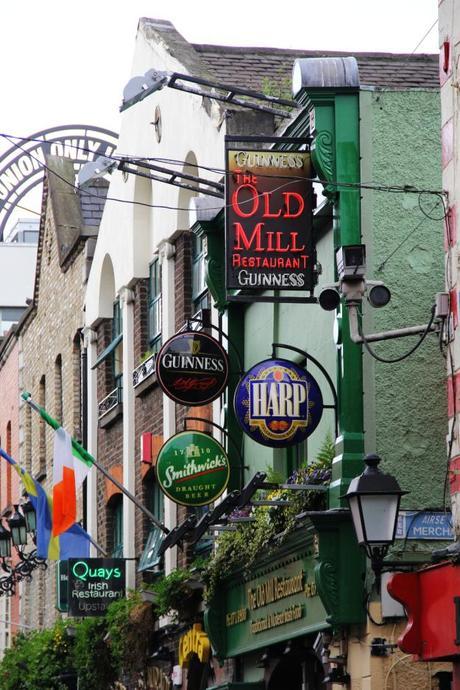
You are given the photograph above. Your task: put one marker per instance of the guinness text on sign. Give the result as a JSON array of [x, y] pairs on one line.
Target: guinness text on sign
[[192, 368], [269, 230]]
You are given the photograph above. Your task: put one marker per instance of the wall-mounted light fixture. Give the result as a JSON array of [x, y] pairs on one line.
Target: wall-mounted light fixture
[[374, 499]]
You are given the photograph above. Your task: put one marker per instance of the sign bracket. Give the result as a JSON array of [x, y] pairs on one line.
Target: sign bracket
[[310, 358]]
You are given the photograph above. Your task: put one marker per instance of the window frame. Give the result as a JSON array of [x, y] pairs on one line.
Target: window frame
[[154, 307]]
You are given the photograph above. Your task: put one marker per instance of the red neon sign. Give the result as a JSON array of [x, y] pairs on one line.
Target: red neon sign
[[268, 222]]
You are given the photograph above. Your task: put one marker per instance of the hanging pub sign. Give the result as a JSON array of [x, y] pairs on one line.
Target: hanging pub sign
[[192, 368], [278, 403], [192, 468], [269, 240], [94, 583]]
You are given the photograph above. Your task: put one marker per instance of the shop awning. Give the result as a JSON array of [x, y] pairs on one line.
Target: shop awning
[[108, 350]]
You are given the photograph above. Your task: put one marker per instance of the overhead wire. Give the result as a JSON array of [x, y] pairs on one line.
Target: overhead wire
[[391, 188]]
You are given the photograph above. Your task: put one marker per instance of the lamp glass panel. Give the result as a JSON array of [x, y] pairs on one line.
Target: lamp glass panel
[[31, 520], [19, 534], [5, 545], [356, 516], [380, 513]]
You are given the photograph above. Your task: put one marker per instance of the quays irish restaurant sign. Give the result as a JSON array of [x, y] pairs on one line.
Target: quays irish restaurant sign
[[93, 584], [192, 468], [278, 403], [269, 242]]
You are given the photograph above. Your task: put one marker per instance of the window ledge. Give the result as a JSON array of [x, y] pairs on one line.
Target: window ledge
[[111, 416], [144, 376]]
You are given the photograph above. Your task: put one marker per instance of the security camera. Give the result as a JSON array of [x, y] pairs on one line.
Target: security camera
[[378, 295], [351, 262], [329, 298]]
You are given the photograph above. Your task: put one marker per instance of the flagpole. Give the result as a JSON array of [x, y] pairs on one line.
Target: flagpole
[[89, 458]]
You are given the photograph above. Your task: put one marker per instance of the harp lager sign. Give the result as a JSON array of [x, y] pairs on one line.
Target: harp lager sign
[[278, 403], [192, 468]]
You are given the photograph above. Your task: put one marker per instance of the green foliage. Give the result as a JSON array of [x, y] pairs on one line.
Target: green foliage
[[92, 656], [99, 651], [177, 593], [279, 88], [36, 660], [129, 626], [239, 550]]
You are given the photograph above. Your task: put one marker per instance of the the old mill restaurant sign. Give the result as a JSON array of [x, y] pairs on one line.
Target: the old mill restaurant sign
[[278, 403], [192, 468], [276, 604], [269, 244], [93, 584]]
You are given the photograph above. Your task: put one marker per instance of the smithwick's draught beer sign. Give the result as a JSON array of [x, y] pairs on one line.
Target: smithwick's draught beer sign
[[192, 468], [192, 368], [278, 403], [269, 242]]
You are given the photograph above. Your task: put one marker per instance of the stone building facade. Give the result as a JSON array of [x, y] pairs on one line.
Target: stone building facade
[[50, 342]]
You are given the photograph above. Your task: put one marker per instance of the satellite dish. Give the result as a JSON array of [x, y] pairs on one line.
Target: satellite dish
[[97, 168]]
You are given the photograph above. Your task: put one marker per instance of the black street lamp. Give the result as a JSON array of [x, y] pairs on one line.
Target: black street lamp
[[5, 542], [374, 499], [30, 517], [17, 525]]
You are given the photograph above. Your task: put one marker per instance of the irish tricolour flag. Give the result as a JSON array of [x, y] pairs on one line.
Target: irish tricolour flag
[[69, 471]]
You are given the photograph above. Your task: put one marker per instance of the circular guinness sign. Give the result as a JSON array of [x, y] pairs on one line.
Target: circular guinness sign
[[192, 368], [192, 468], [278, 403]]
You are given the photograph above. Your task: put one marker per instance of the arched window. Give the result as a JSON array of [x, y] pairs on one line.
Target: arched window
[[58, 403], [42, 427], [115, 526], [8, 466]]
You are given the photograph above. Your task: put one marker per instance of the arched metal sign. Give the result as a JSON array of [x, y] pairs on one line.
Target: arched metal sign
[[21, 167]]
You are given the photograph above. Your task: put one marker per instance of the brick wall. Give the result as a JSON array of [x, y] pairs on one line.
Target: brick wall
[[49, 340]]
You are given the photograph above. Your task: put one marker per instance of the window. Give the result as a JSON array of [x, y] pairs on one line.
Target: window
[[154, 306], [117, 332], [153, 498], [200, 294], [58, 402], [116, 509]]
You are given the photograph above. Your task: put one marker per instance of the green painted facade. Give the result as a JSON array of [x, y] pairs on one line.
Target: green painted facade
[[395, 410], [405, 403]]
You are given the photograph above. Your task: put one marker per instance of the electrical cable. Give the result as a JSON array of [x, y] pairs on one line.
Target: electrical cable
[[425, 35], [366, 605], [391, 188], [411, 232], [407, 354]]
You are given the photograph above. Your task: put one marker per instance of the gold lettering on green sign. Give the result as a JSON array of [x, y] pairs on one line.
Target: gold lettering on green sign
[[273, 620], [274, 589], [235, 617]]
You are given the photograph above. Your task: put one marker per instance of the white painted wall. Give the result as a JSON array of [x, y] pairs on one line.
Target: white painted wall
[[17, 273], [130, 234]]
